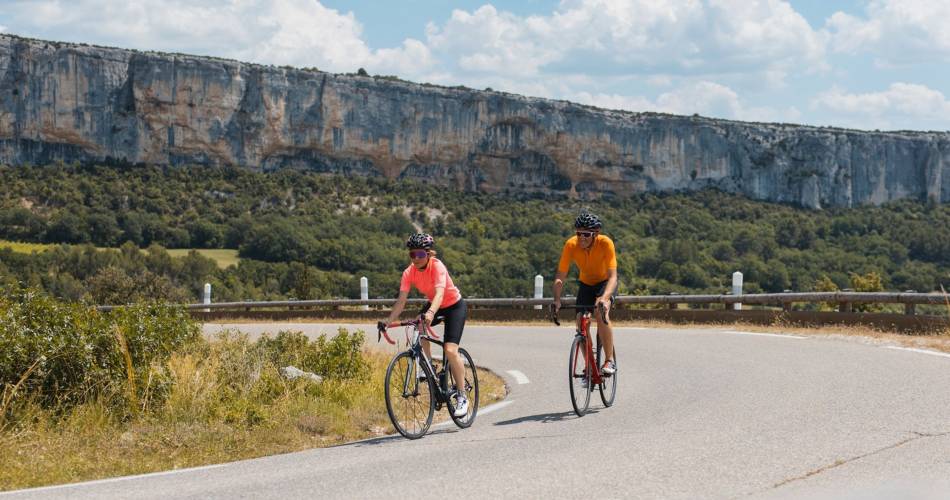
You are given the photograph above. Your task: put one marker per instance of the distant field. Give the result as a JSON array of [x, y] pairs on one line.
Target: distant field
[[25, 247], [223, 257]]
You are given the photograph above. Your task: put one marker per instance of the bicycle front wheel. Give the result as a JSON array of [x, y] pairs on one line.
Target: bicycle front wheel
[[409, 400], [469, 387], [579, 376], [608, 384]]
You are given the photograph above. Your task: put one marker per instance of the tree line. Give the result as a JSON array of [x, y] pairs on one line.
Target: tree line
[[304, 235]]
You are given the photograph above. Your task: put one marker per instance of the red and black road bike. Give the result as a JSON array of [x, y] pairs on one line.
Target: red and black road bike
[[584, 366]]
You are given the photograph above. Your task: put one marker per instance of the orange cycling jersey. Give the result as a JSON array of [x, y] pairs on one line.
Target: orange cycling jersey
[[593, 263]]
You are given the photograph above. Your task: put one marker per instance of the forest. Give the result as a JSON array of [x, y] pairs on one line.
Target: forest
[[307, 235]]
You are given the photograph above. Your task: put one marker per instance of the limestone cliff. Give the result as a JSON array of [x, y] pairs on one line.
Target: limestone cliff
[[91, 104]]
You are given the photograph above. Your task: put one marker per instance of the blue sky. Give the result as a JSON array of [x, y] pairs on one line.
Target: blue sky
[[867, 64]]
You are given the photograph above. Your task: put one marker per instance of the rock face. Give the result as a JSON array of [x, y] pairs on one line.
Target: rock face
[[91, 104]]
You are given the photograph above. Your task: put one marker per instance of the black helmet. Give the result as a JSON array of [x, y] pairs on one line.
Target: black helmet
[[420, 240], [587, 220]]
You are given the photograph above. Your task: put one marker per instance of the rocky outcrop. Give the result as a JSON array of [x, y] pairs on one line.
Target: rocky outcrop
[[91, 104]]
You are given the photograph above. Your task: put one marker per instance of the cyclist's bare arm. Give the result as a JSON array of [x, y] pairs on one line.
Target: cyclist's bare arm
[[398, 307], [435, 304], [558, 287], [609, 288]]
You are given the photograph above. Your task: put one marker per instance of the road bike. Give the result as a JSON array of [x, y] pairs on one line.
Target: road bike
[[415, 390], [584, 367]]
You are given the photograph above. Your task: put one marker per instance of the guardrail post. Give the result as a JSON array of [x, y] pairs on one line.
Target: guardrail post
[[786, 306], [538, 289], [207, 296], [737, 289], [673, 305], [846, 306], [364, 291], [910, 308]]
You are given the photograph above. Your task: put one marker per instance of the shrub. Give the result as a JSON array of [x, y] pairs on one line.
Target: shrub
[[339, 357], [78, 354]]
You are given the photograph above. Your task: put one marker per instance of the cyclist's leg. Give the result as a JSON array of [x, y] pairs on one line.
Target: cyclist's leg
[[454, 324], [605, 331], [586, 295], [426, 346]]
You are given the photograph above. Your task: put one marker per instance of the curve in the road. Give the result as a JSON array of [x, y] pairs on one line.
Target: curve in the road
[[699, 413]]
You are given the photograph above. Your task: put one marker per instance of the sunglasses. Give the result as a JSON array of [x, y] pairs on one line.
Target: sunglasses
[[418, 254], [585, 234]]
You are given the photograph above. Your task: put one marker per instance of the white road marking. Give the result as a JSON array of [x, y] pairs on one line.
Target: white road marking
[[485, 411], [114, 479], [922, 351], [521, 378], [783, 335], [495, 407]]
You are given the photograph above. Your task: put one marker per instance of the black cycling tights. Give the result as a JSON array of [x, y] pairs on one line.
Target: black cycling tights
[[454, 318]]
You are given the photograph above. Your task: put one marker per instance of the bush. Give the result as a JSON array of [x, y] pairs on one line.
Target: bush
[[78, 354], [339, 357]]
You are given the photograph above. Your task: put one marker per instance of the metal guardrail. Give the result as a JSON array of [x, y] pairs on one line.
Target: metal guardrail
[[664, 308], [843, 299]]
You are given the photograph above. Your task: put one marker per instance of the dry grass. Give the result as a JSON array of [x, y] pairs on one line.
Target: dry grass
[[204, 420]]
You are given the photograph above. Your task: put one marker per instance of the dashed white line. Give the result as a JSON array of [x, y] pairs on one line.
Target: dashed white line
[[922, 351], [782, 335], [521, 378]]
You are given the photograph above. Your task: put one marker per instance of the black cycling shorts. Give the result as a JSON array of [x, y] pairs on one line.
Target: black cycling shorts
[[587, 295], [454, 319]]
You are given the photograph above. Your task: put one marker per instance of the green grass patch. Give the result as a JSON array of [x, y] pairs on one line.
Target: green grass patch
[[223, 257], [16, 246]]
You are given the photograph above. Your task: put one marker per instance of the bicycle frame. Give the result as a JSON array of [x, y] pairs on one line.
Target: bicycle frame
[[590, 361], [418, 354]]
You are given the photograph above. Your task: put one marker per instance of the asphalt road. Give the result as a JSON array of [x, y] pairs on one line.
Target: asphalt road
[[700, 413]]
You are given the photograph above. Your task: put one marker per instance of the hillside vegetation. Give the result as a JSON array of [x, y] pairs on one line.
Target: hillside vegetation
[[307, 235]]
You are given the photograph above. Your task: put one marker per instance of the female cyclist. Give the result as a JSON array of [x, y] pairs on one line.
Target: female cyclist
[[429, 275]]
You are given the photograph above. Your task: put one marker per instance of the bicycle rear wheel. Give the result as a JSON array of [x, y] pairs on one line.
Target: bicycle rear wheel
[[579, 376], [470, 389], [409, 400], [608, 384]]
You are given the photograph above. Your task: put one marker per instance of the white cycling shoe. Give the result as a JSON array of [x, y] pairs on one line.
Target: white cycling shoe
[[461, 406]]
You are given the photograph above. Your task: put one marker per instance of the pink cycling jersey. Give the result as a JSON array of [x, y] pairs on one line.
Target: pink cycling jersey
[[427, 280]]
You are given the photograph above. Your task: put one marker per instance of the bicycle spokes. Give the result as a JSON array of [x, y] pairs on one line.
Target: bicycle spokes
[[409, 401], [579, 376]]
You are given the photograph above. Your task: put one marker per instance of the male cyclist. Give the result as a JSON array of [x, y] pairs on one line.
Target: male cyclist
[[597, 261]]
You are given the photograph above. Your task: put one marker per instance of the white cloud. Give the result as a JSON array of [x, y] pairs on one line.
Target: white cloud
[[694, 37], [898, 31], [704, 97], [902, 105], [296, 32], [659, 80]]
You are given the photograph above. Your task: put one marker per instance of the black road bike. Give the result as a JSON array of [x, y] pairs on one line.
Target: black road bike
[[415, 390]]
